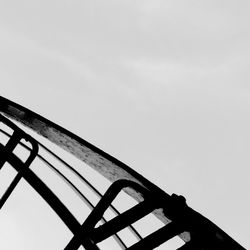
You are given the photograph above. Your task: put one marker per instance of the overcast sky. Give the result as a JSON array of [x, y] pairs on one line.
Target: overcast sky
[[161, 85]]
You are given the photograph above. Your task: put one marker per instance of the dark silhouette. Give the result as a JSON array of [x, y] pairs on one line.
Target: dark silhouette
[[196, 231]]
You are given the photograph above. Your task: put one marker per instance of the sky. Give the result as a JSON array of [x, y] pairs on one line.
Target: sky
[[161, 85]]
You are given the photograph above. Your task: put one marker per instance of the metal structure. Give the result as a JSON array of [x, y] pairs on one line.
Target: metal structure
[[196, 231]]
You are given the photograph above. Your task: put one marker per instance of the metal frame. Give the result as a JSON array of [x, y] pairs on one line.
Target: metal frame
[[197, 231]]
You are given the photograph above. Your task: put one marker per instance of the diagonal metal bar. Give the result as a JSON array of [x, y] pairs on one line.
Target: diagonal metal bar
[[158, 237], [122, 221], [54, 202], [95, 235], [18, 134], [12, 143], [74, 188], [212, 236]]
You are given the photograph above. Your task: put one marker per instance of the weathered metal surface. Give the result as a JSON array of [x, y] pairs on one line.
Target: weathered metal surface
[[102, 162], [105, 164], [112, 169]]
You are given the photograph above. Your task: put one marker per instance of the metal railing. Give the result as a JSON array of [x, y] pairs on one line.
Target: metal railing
[[179, 219]]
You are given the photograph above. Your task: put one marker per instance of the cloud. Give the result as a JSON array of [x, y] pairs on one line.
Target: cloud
[[159, 29], [23, 55]]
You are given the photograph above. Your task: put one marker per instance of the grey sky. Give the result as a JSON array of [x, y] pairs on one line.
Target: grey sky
[[161, 85]]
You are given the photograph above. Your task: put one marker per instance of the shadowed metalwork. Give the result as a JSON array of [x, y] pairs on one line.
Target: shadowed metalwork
[[196, 231]]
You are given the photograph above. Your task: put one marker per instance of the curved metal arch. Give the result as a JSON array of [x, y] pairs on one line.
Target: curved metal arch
[[105, 164], [200, 230], [73, 187], [36, 183]]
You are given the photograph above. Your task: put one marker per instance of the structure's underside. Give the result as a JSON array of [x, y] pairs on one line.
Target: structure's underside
[[196, 231]]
